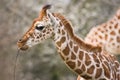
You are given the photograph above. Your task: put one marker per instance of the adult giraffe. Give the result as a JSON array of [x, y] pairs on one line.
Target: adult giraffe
[[88, 61], [106, 35]]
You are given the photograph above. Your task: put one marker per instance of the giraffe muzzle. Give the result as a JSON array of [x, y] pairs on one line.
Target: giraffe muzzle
[[21, 45]]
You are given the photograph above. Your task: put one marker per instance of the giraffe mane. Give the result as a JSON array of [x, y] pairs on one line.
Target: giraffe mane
[[79, 41]]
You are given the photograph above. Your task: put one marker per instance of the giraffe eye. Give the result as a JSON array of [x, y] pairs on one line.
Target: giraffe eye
[[39, 27]]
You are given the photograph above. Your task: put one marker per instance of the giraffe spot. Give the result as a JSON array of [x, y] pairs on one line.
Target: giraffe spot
[[87, 58], [96, 59], [117, 63], [116, 26], [118, 46], [48, 32], [112, 32], [96, 33], [60, 23], [106, 36], [73, 56], [106, 71], [79, 63], [86, 77], [110, 27], [62, 40], [81, 55], [71, 44], [113, 44], [87, 62], [91, 69], [38, 37], [63, 32], [102, 79], [97, 65], [58, 31], [118, 39], [118, 17], [83, 67], [100, 37], [75, 49], [119, 31], [98, 73], [71, 64], [79, 71], [66, 50], [44, 30]]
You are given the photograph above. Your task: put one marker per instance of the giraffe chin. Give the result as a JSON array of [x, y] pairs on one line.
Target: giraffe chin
[[24, 48]]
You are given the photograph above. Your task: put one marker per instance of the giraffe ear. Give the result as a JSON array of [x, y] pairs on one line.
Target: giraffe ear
[[43, 11]]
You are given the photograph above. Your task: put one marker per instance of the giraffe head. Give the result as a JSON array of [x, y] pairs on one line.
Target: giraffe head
[[41, 29]]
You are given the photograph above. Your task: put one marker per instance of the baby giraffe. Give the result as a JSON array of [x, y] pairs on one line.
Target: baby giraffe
[[90, 62]]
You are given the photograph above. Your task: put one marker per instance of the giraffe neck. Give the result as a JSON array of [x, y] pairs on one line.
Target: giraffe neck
[[81, 57], [74, 51]]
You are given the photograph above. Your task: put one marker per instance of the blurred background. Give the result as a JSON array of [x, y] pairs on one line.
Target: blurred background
[[42, 62]]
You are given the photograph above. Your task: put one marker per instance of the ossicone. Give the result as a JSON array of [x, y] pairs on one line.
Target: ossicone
[[47, 6]]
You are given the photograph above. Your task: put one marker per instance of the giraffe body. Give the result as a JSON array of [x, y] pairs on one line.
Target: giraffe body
[[106, 35], [90, 62]]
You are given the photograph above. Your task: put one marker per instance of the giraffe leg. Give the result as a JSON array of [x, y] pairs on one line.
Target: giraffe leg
[[80, 78]]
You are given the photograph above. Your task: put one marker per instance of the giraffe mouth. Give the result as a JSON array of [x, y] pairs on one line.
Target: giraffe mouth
[[22, 46]]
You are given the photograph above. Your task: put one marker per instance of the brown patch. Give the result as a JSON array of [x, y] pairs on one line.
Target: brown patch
[[112, 32], [81, 55], [66, 50], [71, 64], [79, 63], [116, 26], [97, 60], [75, 49], [91, 69], [63, 32], [87, 57], [96, 33], [118, 39], [119, 31], [106, 36], [106, 71], [118, 17], [79, 71], [87, 60], [100, 37], [113, 44], [62, 40], [71, 44], [83, 67], [48, 32], [98, 73], [60, 23], [117, 64], [102, 79], [110, 27], [38, 37], [44, 30], [73, 56], [58, 31], [86, 77]]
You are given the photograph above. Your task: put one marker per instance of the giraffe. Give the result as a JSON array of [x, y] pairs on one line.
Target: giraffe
[[88, 61], [106, 35]]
